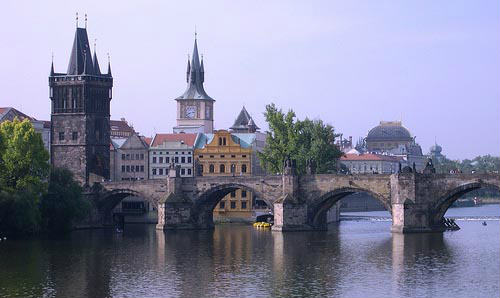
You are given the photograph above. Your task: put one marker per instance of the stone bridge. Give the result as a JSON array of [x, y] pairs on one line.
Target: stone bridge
[[417, 202]]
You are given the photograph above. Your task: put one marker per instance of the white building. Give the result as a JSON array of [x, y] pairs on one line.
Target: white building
[[177, 149]]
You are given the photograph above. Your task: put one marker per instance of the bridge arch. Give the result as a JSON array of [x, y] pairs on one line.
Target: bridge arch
[[445, 201], [110, 199], [202, 211], [318, 208]]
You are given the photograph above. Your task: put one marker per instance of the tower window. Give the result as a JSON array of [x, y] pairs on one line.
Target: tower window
[[61, 136], [74, 136]]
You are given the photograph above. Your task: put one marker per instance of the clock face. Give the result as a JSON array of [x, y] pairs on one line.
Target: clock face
[[190, 112]]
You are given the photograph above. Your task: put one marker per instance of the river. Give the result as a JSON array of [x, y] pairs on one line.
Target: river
[[357, 257]]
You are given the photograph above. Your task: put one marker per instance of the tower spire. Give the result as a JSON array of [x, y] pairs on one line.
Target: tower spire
[[77, 20], [52, 65], [85, 21], [109, 66], [95, 62]]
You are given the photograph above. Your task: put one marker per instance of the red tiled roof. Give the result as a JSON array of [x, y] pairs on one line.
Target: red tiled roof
[[370, 157], [160, 138], [147, 140]]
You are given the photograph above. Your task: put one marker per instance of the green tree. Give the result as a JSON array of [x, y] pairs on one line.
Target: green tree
[[303, 141], [63, 203], [23, 175]]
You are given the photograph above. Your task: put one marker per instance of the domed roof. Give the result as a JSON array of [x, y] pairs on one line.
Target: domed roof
[[436, 149], [389, 131]]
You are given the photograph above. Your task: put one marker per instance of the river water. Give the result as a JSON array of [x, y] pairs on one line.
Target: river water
[[358, 257]]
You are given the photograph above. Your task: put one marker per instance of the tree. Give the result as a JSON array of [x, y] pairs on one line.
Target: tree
[[23, 175], [63, 203], [303, 141]]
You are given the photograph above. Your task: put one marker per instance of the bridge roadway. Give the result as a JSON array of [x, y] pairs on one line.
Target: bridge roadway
[[417, 202]]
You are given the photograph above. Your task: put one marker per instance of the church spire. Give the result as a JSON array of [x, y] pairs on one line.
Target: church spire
[[95, 62], [80, 57], [195, 77], [52, 66], [109, 66]]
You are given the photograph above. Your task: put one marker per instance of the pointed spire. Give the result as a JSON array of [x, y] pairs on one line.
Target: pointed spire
[[109, 66], [95, 62], [188, 70], [81, 57], [85, 21], [52, 66], [202, 70], [77, 20]]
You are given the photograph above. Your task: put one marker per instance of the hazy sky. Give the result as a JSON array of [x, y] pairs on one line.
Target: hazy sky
[[435, 64]]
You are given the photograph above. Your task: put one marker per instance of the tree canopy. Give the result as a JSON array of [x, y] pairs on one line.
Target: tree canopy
[[304, 141]]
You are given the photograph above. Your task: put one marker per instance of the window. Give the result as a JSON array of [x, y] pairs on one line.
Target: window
[[220, 141], [61, 136], [183, 171], [233, 194], [176, 152], [123, 156], [211, 156], [142, 156], [154, 171], [243, 193], [142, 169], [233, 205], [233, 156], [190, 160], [137, 168], [161, 159], [74, 136], [167, 159], [189, 171], [183, 159], [243, 156], [127, 157], [224, 141], [161, 171], [128, 169], [243, 205], [137, 156], [154, 159], [222, 156], [222, 205], [201, 169], [132, 168], [201, 156], [243, 168], [177, 159], [123, 169], [211, 169], [222, 168]]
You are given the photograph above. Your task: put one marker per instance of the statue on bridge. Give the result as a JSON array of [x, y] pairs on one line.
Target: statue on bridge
[[429, 167]]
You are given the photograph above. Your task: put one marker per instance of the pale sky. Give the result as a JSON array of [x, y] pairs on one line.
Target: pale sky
[[435, 64]]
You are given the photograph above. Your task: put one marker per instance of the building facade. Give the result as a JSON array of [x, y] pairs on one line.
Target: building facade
[[175, 149], [195, 109], [129, 158], [370, 163], [80, 109], [224, 154]]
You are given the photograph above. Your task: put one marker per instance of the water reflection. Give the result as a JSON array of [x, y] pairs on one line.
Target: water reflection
[[352, 259]]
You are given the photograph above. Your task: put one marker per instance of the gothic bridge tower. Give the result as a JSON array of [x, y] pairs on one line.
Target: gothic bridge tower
[[195, 109], [80, 111]]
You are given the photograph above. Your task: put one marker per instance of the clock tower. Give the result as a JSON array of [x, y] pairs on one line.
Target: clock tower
[[195, 109]]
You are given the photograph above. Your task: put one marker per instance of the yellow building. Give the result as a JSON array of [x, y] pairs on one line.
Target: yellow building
[[226, 154]]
